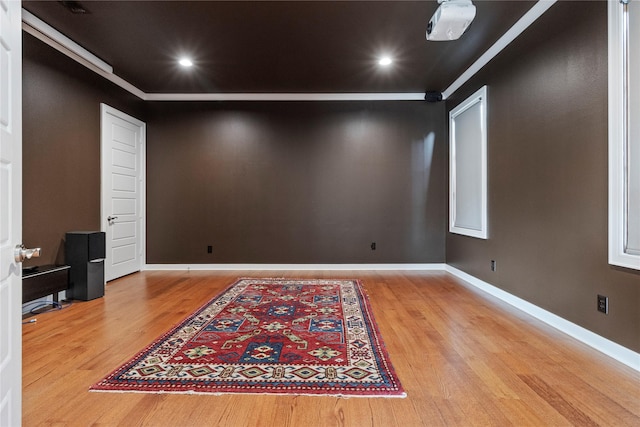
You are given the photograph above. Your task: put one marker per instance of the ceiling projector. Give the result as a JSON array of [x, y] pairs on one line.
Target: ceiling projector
[[450, 20]]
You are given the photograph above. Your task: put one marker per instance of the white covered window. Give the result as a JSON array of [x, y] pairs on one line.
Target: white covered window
[[624, 133], [468, 166]]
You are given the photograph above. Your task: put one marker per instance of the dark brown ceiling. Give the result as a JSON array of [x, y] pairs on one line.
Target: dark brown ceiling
[[277, 47]]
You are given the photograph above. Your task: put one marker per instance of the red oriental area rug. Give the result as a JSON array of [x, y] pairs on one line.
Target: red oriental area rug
[[277, 336]]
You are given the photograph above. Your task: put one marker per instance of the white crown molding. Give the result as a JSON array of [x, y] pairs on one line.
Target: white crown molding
[[285, 96], [34, 23], [49, 35], [593, 340], [518, 28], [293, 267], [59, 41]]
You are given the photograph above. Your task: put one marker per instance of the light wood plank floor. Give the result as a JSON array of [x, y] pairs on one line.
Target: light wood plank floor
[[464, 359]]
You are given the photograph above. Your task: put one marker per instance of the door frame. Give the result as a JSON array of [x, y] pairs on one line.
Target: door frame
[[142, 183]]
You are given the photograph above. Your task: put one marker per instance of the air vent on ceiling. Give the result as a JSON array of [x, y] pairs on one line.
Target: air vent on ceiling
[[74, 7]]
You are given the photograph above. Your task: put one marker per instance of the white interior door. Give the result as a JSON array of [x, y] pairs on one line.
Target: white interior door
[[10, 213], [122, 140]]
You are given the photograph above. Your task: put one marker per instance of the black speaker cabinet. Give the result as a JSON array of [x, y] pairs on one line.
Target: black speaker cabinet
[[85, 253]]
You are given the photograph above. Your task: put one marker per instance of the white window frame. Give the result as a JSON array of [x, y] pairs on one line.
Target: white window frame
[[477, 173], [619, 140]]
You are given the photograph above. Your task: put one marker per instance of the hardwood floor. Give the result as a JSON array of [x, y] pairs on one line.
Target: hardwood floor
[[463, 358]]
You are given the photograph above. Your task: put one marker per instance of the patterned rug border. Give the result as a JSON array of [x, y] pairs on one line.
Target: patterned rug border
[[101, 387]]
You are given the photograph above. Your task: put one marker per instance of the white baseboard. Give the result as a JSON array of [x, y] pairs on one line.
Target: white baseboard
[[597, 342], [295, 267]]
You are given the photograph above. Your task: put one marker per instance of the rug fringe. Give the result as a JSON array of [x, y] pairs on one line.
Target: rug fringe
[[223, 393]]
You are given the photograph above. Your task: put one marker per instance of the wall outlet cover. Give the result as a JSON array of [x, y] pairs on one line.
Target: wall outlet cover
[[603, 304]]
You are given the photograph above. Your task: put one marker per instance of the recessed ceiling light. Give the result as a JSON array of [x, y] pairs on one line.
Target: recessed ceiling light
[[385, 61], [185, 62]]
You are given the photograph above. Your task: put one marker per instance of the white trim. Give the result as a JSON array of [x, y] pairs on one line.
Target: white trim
[[68, 47], [142, 182], [62, 43], [56, 36], [52, 37], [284, 97], [49, 35], [294, 267], [518, 28], [83, 61], [617, 142], [593, 340]]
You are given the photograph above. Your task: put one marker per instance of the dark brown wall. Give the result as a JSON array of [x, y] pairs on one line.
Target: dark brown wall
[[61, 146], [547, 142], [318, 182], [261, 182], [296, 182]]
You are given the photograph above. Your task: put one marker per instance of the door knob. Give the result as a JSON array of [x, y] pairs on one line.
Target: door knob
[[21, 253], [110, 218]]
